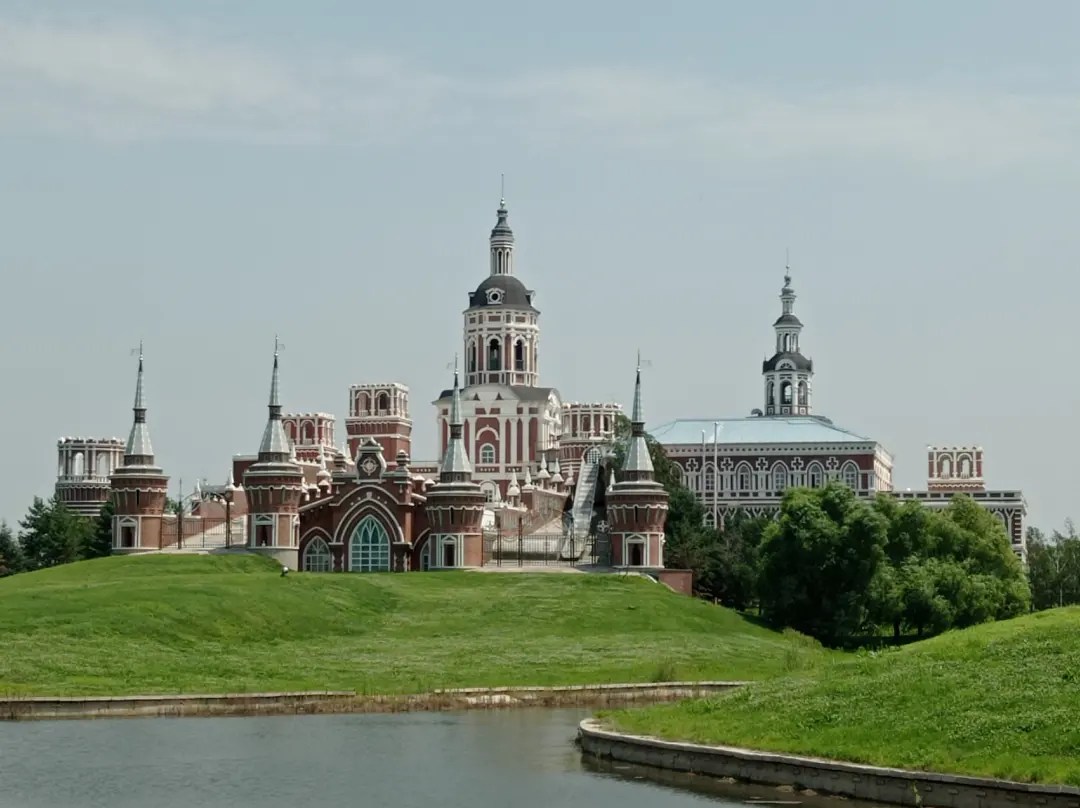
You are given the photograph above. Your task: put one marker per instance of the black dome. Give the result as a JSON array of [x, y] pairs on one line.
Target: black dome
[[787, 319], [797, 359], [501, 290]]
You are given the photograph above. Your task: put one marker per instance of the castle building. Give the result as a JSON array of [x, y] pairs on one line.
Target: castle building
[[744, 465], [514, 461], [84, 468]]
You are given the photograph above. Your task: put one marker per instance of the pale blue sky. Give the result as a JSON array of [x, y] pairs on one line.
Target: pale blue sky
[[203, 175]]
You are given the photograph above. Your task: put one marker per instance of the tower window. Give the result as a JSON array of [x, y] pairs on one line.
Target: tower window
[[770, 395], [519, 356], [785, 392], [472, 357], [803, 394], [494, 355], [487, 454]]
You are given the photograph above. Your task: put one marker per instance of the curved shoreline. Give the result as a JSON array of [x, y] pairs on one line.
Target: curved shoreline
[[347, 701], [854, 780]]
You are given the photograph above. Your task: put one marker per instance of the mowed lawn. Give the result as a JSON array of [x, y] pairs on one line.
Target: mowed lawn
[[1001, 700], [213, 624]]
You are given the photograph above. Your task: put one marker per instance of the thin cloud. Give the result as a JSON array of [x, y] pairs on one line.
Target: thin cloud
[[132, 82]]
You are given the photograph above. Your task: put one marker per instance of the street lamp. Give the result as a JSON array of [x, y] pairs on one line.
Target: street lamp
[[225, 496]]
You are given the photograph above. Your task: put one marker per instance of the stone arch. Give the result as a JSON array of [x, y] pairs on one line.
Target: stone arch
[[382, 403], [78, 465], [945, 468], [363, 403], [369, 507], [491, 491], [964, 466], [307, 432], [815, 475], [785, 393], [804, 393]]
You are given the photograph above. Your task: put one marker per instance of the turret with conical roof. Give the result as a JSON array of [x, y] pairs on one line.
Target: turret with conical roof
[[637, 504], [455, 504], [274, 486], [788, 374], [139, 486]]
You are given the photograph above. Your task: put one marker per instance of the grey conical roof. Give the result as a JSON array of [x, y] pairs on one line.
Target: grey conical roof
[[639, 464], [275, 444], [139, 450], [456, 465]]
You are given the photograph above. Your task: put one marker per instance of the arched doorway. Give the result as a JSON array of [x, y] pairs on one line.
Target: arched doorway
[[317, 557], [449, 553], [369, 548]]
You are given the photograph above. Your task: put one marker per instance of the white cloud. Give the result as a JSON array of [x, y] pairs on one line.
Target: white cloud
[[120, 81]]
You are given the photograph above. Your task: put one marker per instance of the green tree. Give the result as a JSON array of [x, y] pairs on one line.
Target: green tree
[[734, 562], [1053, 567], [818, 561], [11, 558], [51, 534], [98, 541]]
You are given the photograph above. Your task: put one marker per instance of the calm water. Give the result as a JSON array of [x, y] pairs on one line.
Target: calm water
[[519, 758]]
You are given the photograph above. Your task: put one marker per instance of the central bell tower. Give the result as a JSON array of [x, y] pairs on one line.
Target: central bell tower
[[502, 333], [788, 375]]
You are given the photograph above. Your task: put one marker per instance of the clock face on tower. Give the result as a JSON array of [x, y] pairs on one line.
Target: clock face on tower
[[369, 466]]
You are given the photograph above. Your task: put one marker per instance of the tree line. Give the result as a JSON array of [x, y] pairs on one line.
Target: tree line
[[52, 534], [1054, 567], [849, 571]]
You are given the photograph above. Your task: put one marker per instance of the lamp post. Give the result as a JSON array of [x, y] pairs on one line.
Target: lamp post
[[226, 497]]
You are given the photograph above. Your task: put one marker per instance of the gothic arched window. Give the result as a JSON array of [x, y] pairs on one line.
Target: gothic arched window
[[369, 548], [850, 475], [316, 557], [744, 477], [815, 475], [494, 355], [779, 477]]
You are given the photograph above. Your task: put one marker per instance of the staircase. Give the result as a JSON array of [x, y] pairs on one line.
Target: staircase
[[576, 542]]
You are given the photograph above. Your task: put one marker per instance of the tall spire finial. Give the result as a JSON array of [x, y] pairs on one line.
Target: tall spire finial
[[638, 462], [502, 190], [275, 445], [139, 450], [455, 466]]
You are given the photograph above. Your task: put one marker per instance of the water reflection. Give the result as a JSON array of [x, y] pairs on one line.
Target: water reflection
[[523, 758]]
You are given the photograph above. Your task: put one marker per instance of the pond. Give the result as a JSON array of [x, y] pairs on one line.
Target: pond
[[523, 758]]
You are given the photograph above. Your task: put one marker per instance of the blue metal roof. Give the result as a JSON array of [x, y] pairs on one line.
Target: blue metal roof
[[755, 429]]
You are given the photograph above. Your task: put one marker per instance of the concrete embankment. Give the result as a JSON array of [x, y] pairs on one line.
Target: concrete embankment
[[48, 707], [856, 781]]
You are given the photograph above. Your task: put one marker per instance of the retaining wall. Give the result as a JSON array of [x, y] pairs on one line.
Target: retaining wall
[[347, 701], [871, 783]]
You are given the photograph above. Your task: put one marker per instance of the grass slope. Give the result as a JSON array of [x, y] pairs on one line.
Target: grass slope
[[160, 624], [1001, 700]]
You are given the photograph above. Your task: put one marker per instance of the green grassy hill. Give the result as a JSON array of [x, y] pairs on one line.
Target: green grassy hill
[[1001, 699], [208, 624]]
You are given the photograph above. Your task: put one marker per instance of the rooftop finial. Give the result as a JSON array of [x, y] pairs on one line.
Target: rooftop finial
[[455, 463], [787, 267], [275, 445], [139, 450], [502, 190], [638, 462]]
